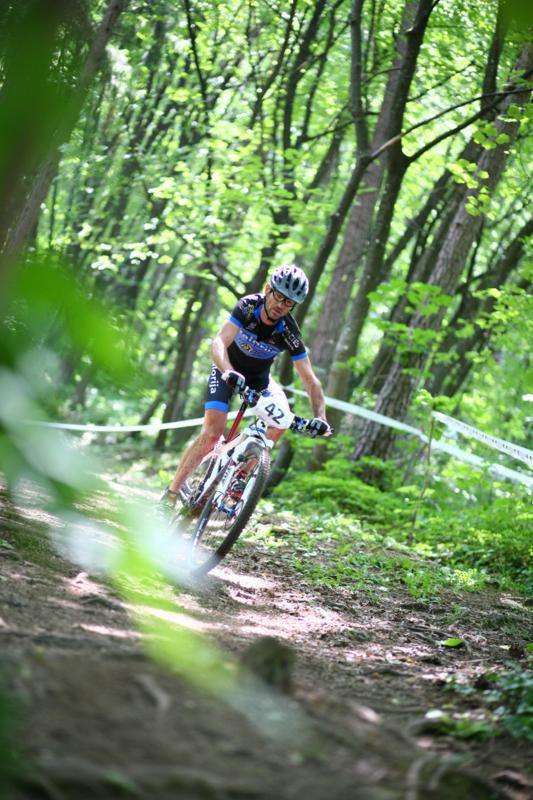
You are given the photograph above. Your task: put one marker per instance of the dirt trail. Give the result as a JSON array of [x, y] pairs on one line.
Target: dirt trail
[[97, 719]]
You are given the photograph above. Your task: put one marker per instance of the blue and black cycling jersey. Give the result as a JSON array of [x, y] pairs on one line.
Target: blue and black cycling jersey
[[256, 345]]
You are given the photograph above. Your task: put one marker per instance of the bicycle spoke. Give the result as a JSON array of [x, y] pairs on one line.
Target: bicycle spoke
[[228, 510]]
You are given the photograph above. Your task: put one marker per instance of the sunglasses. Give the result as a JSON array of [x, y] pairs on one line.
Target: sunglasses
[[281, 299]]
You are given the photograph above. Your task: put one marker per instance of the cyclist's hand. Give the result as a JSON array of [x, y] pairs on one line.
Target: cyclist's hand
[[318, 427], [234, 379]]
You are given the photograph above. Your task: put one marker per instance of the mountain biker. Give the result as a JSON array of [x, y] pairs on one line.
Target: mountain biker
[[260, 328]]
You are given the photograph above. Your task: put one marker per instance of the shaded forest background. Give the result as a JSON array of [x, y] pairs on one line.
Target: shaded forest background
[[171, 154]]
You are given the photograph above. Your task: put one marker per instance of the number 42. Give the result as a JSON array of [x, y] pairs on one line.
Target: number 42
[[275, 412]]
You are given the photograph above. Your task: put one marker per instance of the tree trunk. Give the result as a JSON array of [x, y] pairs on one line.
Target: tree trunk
[[186, 349], [447, 377], [408, 43], [25, 218], [400, 383]]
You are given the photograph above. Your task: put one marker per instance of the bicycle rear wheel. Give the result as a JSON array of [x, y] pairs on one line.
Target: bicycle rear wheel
[[226, 513]]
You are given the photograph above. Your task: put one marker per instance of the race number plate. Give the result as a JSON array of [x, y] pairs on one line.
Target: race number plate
[[273, 413]]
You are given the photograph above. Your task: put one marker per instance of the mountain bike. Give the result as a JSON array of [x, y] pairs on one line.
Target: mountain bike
[[220, 496]]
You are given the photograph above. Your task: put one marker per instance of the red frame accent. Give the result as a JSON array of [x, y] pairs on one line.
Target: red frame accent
[[236, 422]]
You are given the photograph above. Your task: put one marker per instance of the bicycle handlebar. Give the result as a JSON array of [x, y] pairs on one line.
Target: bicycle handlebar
[[298, 424]]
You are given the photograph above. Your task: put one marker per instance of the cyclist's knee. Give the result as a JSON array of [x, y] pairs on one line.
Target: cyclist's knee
[[212, 431], [208, 439], [213, 427], [274, 434]]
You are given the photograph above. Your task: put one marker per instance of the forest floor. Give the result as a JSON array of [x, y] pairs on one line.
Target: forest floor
[[97, 718]]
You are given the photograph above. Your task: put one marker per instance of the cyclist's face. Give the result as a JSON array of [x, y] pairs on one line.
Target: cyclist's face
[[278, 304]]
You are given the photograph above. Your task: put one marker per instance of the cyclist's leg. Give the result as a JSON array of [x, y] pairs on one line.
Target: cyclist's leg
[[279, 396], [216, 410]]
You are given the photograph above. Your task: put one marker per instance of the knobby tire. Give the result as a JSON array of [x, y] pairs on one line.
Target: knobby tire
[[260, 476]]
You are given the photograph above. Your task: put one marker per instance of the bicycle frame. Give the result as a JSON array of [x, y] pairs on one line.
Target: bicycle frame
[[228, 453], [231, 478]]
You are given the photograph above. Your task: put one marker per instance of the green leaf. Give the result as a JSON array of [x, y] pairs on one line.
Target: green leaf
[[452, 642], [121, 781]]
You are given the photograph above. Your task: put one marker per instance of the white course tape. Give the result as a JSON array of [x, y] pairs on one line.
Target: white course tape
[[498, 470], [514, 450], [152, 427], [436, 444]]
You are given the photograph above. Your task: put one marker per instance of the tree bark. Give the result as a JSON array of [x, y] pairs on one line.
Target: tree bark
[[18, 228], [414, 20], [447, 378], [400, 383]]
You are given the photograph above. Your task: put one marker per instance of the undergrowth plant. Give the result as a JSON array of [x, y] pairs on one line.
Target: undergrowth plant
[[498, 702], [459, 542]]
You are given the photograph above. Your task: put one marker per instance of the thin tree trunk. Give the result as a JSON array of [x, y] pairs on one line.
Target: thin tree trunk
[[447, 377], [400, 383], [408, 43], [22, 224]]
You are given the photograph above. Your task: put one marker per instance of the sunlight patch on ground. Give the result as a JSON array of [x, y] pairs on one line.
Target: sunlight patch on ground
[[128, 490], [176, 618], [104, 630], [35, 515], [270, 627], [245, 581], [81, 585], [291, 621]]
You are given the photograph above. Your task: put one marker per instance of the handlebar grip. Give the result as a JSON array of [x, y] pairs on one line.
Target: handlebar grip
[[298, 424]]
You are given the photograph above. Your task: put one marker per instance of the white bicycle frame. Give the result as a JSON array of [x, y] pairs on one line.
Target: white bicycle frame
[[269, 413]]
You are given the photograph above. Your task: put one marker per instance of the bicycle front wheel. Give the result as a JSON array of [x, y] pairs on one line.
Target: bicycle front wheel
[[226, 512]]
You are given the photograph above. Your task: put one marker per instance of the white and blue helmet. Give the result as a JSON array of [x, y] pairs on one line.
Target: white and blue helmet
[[291, 281]]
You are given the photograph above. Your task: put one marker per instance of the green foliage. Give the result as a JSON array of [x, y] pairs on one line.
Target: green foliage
[[458, 544], [337, 490], [49, 315], [49, 304], [511, 698], [460, 726], [494, 540], [503, 701]]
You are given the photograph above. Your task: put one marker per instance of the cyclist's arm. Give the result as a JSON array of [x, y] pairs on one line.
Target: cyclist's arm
[[221, 342], [312, 386]]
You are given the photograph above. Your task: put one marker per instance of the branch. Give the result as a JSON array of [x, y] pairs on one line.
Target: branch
[[440, 83], [316, 82], [335, 129], [191, 27], [327, 162], [277, 66], [399, 136], [493, 60], [227, 285]]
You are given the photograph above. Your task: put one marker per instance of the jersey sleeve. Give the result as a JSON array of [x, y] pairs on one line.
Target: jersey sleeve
[[299, 352], [294, 341], [238, 315]]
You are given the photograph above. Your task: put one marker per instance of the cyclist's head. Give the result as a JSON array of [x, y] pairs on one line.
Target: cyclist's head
[[290, 281]]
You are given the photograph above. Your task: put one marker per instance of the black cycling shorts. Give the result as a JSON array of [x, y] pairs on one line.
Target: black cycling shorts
[[219, 394]]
